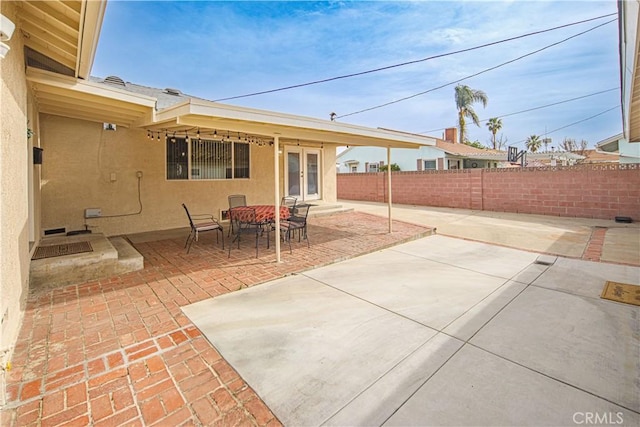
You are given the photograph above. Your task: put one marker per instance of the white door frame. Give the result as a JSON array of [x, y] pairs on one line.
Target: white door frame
[[303, 182]]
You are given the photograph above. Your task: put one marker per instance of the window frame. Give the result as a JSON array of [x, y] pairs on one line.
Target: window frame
[[192, 176], [375, 166], [435, 164]]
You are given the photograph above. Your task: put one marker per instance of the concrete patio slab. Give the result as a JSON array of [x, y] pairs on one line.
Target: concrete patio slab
[[431, 293], [465, 326], [590, 344], [622, 244], [378, 402], [436, 331], [304, 347], [564, 236], [480, 257], [481, 389], [586, 278]]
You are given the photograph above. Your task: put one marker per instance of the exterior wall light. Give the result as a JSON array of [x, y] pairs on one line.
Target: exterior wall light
[[6, 31]]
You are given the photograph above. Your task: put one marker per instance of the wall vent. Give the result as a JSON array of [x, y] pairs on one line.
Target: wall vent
[[51, 231], [114, 80]]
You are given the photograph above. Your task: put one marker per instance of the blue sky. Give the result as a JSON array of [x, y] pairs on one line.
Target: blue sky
[[216, 50]]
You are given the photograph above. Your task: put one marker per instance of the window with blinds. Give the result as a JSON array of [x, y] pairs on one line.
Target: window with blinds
[[430, 165], [177, 160], [207, 159]]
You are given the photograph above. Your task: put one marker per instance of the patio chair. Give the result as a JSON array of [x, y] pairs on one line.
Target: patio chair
[[200, 223], [244, 222], [296, 222], [235, 200], [290, 202]]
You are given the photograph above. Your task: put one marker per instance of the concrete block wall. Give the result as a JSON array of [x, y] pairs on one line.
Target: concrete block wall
[[587, 191]]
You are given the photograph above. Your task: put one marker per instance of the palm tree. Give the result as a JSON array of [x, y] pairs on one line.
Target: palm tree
[[533, 143], [465, 97], [494, 124]]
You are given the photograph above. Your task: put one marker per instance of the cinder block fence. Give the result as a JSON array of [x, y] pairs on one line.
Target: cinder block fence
[[586, 191]]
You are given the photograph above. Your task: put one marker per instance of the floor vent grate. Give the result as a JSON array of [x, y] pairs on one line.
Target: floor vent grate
[[60, 250]]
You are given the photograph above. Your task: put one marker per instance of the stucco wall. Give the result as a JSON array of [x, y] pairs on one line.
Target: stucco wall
[[79, 158], [329, 183], [629, 151], [14, 168]]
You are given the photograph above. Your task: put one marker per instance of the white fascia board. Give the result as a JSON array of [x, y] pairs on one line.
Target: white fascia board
[[202, 108], [610, 140], [488, 156], [344, 152], [47, 78], [92, 15]]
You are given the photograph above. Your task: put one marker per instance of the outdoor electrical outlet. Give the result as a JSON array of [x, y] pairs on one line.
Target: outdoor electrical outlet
[[139, 174], [92, 213]]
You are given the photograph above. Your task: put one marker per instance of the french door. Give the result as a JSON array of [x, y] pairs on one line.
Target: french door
[[302, 176]]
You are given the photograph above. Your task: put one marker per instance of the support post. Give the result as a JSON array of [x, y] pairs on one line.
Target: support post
[[389, 187], [276, 192]]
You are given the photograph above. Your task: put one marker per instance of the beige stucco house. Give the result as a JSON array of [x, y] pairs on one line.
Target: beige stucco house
[[108, 145], [113, 157]]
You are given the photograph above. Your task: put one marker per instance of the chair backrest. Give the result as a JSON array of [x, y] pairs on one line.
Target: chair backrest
[[289, 201], [188, 215], [243, 218], [236, 200], [301, 213]]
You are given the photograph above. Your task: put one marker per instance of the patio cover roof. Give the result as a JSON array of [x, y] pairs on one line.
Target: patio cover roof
[[65, 32], [79, 99], [99, 102], [209, 116]]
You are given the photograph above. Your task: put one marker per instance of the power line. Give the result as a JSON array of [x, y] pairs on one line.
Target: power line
[[534, 108], [575, 123], [475, 74], [388, 67]]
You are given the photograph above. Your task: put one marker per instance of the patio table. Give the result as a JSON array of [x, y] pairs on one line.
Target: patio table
[[264, 213]]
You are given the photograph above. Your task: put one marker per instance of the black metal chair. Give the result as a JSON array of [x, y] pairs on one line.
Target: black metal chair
[[235, 200], [298, 222], [244, 222], [290, 202], [209, 223]]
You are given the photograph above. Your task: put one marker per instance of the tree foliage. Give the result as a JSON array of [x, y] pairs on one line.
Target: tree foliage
[[502, 142], [476, 144], [465, 98], [394, 168], [569, 144], [494, 124], [533, 143]]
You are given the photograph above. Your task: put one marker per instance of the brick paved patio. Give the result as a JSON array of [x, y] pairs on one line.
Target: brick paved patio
[[120, 351]]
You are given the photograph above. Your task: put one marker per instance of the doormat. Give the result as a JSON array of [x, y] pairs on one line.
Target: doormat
[[60, 250], [621, 292]]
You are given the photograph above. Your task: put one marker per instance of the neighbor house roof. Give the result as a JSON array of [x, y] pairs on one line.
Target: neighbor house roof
[[456, 149], [465, 150], [597, 156]]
